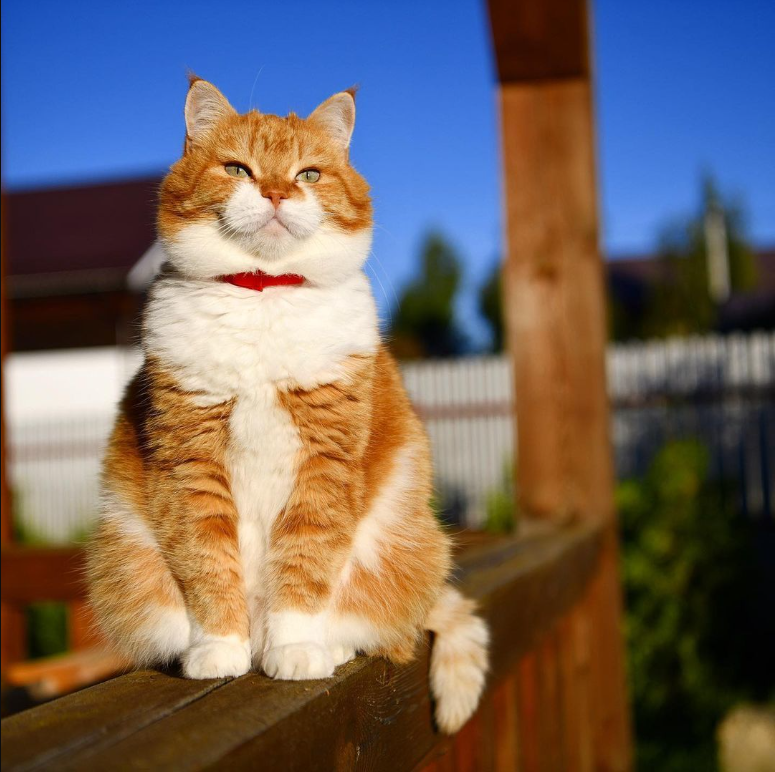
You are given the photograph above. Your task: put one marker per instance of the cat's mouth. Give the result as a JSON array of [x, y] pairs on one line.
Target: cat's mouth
[[275, 227], [267, 236]]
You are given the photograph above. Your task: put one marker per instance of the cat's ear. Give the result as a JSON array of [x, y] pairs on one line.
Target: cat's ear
[[336, 116], [205, 106]]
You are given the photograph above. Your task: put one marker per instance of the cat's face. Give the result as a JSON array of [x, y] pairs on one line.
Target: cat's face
[[263, 192]]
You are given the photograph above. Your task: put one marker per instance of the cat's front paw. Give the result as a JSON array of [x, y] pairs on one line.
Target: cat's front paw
[[217, 659], [298, 662]]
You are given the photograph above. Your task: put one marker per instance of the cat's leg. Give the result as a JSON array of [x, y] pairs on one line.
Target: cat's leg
[[137, 604], [201, 546], [311, 539], [399, 563], [393, 592], [168, 533], [302, 566], [196, 521]]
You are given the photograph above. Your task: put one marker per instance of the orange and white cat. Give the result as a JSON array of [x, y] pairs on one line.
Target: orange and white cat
[[266, 490]]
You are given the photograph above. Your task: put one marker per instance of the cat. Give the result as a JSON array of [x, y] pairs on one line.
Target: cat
[[266, 491]]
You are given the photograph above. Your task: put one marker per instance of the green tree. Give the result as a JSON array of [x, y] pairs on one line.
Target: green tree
[[424, 321], [680, 303], [491, 306]]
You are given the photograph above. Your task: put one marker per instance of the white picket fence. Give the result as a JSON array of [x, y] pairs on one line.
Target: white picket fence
[[720, 389]]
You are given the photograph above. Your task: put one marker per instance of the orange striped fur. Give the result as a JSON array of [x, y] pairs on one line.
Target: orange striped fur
[[267, 487]]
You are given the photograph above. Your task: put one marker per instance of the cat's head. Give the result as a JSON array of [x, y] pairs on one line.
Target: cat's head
[[261, 192]]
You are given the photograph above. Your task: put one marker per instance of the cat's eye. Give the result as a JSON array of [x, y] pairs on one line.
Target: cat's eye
[[308, 175], [237, 170]]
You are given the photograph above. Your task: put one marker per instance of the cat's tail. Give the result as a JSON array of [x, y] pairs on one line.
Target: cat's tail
[[458, 659]]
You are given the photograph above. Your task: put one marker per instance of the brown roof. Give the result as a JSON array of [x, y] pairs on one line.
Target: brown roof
[[650, 269], [765, 264], [644, 268], [95, 231], [63, 240]]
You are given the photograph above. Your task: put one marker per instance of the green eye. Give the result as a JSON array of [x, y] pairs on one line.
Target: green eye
[[308, 175], [237, 170]]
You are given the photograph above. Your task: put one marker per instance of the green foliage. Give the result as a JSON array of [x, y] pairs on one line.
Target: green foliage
[[491, 306], [25, 533], [690, 584], [424, 323], [500, 505], [46, 629], [46, 622], [680, 304]]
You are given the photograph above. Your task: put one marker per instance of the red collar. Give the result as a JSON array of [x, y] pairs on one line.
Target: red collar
[[259, 280]]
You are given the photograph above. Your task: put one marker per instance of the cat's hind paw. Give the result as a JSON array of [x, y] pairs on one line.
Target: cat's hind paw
[[342, 654], [217, 659], [298, 662]]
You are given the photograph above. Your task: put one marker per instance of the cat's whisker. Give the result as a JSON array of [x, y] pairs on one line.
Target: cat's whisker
[[384, 294], [253, 87], [373, 254]]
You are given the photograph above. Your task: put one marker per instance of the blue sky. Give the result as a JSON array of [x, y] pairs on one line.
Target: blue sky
[[94, 90]]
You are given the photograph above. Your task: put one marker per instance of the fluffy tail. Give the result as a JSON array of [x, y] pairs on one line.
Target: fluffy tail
[[458, 659]]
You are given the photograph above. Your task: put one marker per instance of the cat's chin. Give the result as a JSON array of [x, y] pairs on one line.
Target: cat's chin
[[272, 242], [275, 229], [203, 251]]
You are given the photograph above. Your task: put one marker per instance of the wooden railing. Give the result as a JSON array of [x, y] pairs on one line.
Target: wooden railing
[[33, 574], [541, 709]]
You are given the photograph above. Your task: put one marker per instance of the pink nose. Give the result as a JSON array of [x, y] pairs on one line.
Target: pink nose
[[275, 196]]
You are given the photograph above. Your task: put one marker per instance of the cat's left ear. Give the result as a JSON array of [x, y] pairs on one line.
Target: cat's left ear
[[205, 107], [336, 116]]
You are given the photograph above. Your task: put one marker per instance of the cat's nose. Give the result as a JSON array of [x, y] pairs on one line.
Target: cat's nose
[[275, 196]]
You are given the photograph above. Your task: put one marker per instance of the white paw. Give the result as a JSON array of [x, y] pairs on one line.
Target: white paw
[[298, 662], [217, 659], [341, 654]]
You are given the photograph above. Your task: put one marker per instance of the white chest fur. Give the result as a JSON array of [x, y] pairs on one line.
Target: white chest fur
[[224, 342], [262, 455]]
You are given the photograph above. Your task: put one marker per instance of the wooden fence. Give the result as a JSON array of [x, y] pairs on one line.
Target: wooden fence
[[718, 389]]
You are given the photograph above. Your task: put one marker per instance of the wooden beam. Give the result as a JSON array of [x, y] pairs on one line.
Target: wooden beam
[[555, 312], [6, 520], [53, 676], [539, 40], [32, 574], [554, 301], [370, 715], [12, 620]]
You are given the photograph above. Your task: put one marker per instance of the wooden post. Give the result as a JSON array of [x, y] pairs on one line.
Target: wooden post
[[11, 617], [556, 330]]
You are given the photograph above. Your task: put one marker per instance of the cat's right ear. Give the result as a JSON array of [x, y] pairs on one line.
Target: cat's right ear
[[205, 107]]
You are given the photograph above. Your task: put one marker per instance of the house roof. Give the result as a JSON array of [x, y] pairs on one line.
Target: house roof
[[70, 240], [630, 280], [61, 240], [765, 265], [649, 269]]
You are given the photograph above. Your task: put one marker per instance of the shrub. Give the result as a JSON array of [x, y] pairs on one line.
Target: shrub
[[690, 585]]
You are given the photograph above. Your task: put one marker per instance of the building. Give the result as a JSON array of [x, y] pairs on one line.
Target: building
[[69, 252]]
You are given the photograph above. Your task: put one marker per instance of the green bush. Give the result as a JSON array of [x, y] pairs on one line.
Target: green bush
[[46, 629], [690, 586], [46, 623], [500, 505]]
